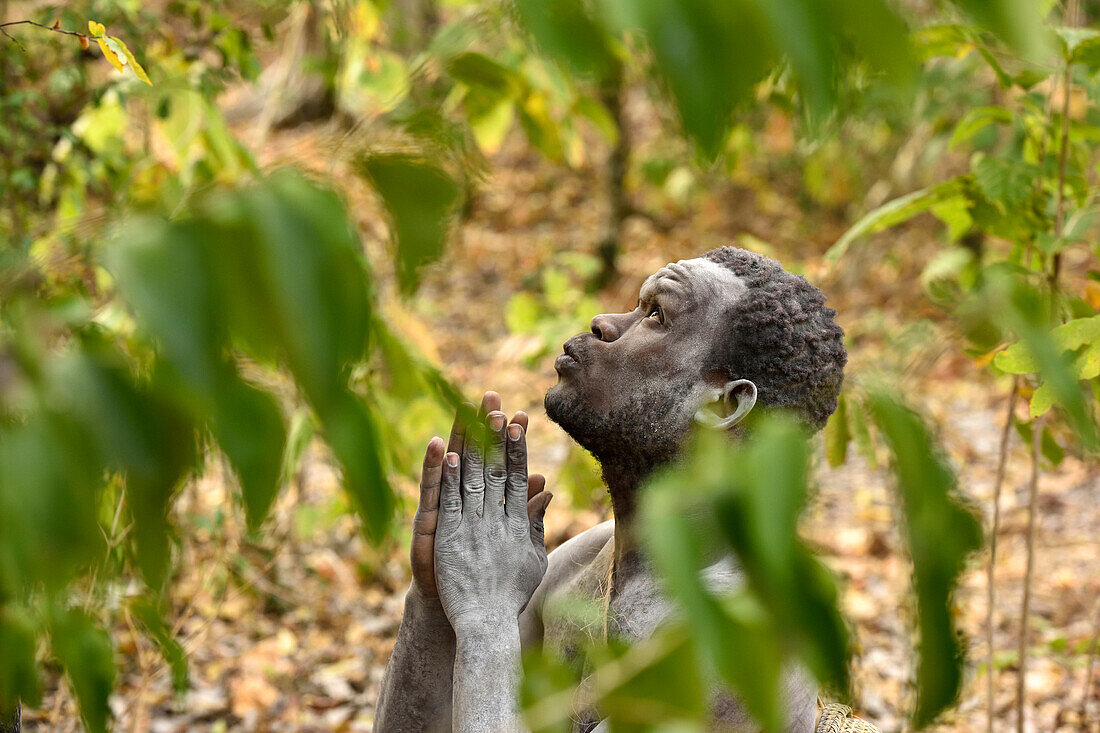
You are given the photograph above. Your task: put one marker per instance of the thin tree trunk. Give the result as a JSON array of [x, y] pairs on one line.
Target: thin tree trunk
[[1002, 461], [1025, 605], [611, 94]]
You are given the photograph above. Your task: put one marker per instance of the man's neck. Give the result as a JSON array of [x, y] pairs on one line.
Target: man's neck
[[624, 481]]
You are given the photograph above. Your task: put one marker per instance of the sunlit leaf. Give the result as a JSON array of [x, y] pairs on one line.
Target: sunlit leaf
[[895, 212], [119, 47], [115, 58]]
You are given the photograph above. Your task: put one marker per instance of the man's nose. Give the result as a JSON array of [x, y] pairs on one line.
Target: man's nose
[[608, 327]]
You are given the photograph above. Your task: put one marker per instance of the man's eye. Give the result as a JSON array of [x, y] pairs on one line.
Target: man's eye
[[657, 313]]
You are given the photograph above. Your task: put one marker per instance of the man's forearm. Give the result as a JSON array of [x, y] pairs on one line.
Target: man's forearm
[[416, 690], [486, 679]]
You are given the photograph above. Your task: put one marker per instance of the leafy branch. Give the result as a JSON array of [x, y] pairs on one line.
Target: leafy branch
[[117, 53]]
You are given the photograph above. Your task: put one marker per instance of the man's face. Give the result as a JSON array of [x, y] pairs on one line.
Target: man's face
[[632, 385]]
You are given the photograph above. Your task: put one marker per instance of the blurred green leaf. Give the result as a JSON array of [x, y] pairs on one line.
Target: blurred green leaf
[[837, 434], [49, 474], [569, 32], [747, 497], [711, 53], [85, 653], [1018, 22], [249, 427], [152, 620], [1004, 180], [18, 672], [895, 212], [421, 199], [941, 534]]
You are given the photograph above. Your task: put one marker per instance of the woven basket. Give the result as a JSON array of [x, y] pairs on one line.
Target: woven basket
[[836, 718]]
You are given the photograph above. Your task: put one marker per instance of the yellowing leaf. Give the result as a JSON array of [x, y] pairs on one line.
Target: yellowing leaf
[[1016, 360], [1042, 400], [108, 53], [96, 29], [139, 72]]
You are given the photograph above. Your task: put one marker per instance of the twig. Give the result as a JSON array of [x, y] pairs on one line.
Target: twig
[[1083, 718], [1025, 605], [998, 482], [83, 36]]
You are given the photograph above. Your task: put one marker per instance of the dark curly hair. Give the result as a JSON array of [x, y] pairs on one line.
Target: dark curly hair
[[783, 338]]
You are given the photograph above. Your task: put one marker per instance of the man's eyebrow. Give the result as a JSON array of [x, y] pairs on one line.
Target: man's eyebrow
[[662, 286]]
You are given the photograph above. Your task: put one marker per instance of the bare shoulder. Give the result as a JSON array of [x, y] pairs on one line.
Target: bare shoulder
[[563, 564]]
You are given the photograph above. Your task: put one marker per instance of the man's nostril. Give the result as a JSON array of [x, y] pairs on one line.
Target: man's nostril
[[596, 330]]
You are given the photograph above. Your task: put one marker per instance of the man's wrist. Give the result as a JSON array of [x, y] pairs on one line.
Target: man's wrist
[[486, 626]]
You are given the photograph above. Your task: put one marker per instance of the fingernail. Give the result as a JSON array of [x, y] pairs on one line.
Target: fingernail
[[514, 431], [546, 503], [452, 459], [496, 421]]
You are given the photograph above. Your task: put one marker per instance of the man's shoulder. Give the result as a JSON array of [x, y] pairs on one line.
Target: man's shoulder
[[583, 548], [564, 564]]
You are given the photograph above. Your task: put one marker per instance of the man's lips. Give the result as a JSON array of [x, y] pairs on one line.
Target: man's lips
[[566, 360]]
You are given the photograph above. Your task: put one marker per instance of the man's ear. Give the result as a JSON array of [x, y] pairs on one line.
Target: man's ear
[[727, 405]]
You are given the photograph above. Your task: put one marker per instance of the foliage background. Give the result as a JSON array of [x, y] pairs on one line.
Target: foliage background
[[290, 627]]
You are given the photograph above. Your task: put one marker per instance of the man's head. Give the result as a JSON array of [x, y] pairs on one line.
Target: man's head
[[629, 390]]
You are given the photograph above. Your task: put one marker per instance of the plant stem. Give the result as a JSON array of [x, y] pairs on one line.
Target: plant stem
[[998, 482], [1025, 604]]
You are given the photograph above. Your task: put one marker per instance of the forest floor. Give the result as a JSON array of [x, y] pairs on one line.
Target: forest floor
[[292, 631]]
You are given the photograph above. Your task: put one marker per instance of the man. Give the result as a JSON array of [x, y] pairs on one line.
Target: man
[[710, 338]]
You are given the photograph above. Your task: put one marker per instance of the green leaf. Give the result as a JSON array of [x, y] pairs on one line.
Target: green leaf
[[567, 32], [96, 29], [152, 620], [976, 120], [85, 653], [895, 212], [710, 53], [747, 498], [18, 671], [940, 534], [598, 115], [49, 475], [249, 427], [1020, 24], [421, 199], [138, 433], [480, 72], [654, 679], [1015, 360], [1074, 40], [1006, 181], [837, 434], [350, 430]]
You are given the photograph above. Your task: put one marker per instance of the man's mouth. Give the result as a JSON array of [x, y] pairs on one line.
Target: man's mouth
[[567, 359]]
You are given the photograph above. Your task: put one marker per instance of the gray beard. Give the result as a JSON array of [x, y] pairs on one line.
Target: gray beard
[[629, 441]]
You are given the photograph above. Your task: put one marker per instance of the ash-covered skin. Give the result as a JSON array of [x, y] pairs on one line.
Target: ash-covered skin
[[628, 392]]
